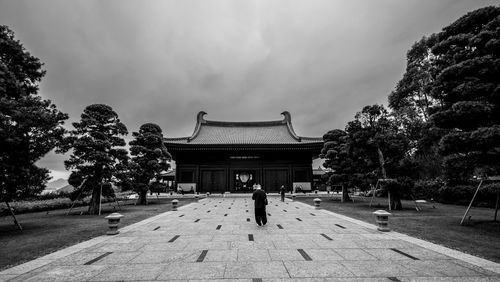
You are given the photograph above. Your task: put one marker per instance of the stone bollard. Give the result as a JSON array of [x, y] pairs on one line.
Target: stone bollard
[[317, 203], [208, 194], [196, 197], [382, 220], [293, 197], [113, 221], [175, 202]]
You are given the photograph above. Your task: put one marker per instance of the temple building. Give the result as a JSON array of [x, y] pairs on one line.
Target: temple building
[[224, 156]]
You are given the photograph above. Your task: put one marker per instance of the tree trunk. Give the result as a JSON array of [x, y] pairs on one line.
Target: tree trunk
[[396, 202], [345, 194], [95, 200], [394, 196], [142, 200], [381, 161]]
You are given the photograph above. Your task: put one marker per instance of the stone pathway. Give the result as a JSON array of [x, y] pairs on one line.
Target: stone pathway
[[217, 239]]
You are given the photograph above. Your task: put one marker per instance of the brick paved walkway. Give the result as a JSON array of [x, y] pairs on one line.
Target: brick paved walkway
[[217, 239]]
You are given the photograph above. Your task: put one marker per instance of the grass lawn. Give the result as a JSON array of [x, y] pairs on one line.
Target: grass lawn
[[47, 232], [480, 237]]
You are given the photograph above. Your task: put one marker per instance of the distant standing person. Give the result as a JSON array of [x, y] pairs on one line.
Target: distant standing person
[[282, 192], [260, 198]]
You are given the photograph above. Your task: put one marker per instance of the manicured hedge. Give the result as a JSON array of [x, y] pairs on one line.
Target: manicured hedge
[[457, 195]]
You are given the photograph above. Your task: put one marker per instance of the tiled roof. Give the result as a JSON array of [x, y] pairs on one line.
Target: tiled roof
[[252, 133]]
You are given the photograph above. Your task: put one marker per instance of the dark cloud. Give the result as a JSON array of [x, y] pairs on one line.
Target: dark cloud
[[163, 61]]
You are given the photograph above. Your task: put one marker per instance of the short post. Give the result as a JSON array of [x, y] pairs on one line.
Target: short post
[[113, 221], [175, 202], [293, 197], [196, 197], [382, 220], [317, 203], [208, 194]]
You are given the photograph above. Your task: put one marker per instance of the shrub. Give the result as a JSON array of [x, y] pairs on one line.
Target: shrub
[[462, 195], [44, 205], [427, 189]]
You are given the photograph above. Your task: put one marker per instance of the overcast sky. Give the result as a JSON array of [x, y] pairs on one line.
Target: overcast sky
[[163, 61]]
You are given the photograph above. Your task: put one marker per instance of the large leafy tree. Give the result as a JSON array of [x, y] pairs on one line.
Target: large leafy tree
[[372, 146], [96, 153], [30, 126], [412, 97], [149, 158], [466, 71], [378, 145], [412, 104]]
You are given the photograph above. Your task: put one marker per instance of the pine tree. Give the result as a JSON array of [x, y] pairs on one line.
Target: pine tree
[[96, 155], [149, 158]]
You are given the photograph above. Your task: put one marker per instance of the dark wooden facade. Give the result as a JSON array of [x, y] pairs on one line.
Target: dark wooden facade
[[222, 164]]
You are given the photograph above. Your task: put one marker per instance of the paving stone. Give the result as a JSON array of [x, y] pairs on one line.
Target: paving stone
[[443, 268], [6, 277], [312, 269], [112, 247], [246, 255], [117, 258], [354, 254], [323, 254], [369, 268], [386, 254], [221, 256], [129, 272], [423, 254], [68, 273], [208, 270], [263, 270], [79, 258], [26, 267]]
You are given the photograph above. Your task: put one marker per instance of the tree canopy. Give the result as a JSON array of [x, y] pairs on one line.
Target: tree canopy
[[96, 153], [30, 126], [466, 71], [371, 147], [149, 158]]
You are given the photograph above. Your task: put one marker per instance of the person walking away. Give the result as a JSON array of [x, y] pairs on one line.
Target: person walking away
[[260, 198], [282, 192]]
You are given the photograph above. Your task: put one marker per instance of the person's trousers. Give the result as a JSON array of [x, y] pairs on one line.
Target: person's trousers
[[260, 216]]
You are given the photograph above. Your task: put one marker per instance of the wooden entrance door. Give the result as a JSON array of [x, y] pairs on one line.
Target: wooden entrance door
[[274, 178], [213, 181]]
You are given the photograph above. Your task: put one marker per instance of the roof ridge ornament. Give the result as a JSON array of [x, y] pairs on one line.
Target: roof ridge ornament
[[287, 117], [200, 117], [199, 121], [288, 121]]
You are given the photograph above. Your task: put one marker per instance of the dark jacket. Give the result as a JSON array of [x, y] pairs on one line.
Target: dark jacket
[[260, 198]]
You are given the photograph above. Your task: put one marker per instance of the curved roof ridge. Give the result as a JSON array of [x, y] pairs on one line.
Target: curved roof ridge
[[244, 132]]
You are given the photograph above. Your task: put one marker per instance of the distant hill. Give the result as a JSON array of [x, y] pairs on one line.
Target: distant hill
[[67, 188], [59, 185]]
